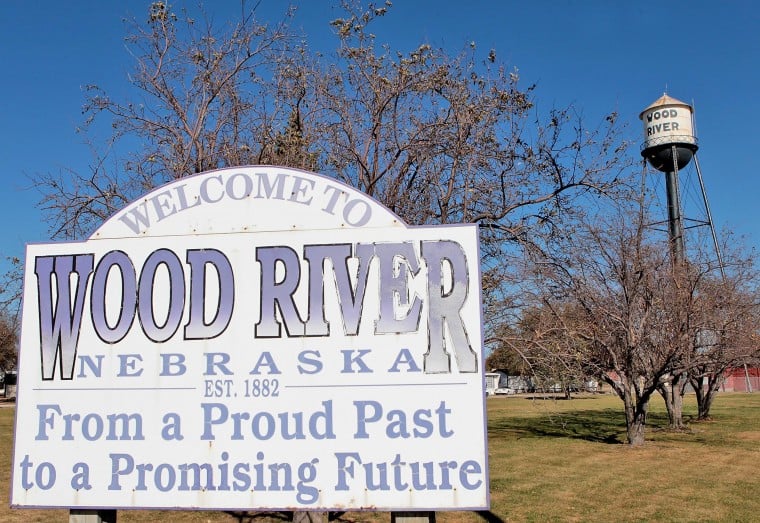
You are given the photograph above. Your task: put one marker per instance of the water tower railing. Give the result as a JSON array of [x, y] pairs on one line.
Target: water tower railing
[[685, 139]]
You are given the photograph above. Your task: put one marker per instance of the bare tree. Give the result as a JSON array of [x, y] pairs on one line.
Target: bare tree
[[729, 335], [504, 357], [608, 298], [441, 138], [438, 138], [201, 99], [10, 285], [545, 347], [8, 341], [681, 318], [713, 317], [620, 284], [10, 298]]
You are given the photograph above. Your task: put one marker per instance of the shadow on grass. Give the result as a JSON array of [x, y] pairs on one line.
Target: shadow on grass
[[250, 517], [601, 426], [247, 517], [489, 516]]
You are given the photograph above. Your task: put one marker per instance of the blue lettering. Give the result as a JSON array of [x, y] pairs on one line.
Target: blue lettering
[[59, 329]]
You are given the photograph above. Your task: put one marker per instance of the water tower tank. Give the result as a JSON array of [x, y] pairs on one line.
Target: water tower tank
[[668, 131]]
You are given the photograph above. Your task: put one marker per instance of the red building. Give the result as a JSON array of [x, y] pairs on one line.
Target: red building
[[742, 379]]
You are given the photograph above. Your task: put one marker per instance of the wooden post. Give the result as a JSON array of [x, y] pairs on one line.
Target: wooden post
[[412, 517], [92, 516]]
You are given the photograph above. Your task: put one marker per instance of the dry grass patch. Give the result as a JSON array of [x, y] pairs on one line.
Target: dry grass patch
[[749, 436]]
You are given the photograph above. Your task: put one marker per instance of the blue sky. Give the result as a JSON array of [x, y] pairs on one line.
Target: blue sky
[[599, 55]]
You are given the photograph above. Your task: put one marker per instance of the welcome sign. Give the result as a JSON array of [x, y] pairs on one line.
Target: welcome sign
[[253, 338]]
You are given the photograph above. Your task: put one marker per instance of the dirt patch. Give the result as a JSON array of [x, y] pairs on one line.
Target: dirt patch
[[748, 436]]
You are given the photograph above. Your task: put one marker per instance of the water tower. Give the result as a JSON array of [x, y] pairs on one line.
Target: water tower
[[669, 145]]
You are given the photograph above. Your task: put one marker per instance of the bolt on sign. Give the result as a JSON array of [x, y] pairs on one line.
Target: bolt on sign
[[253, 338]]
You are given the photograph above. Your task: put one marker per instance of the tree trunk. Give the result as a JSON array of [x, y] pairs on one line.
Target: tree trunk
[[635, 407], [672, 392], [706, 395], [635, 420], [699, 392], [703, 408]]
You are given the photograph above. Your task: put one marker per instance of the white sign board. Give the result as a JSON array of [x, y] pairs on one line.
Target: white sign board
[[253, 338]]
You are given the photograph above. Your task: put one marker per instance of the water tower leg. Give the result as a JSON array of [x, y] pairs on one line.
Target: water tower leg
[[92, 516], [709, 218], [675, 223]]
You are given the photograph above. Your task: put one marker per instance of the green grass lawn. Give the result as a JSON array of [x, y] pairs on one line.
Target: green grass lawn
[[564, 460]]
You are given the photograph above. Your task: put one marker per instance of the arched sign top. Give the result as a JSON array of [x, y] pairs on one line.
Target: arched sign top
[[247, 199]]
